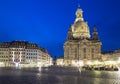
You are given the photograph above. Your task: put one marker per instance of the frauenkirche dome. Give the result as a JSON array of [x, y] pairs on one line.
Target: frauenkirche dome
[[80, 28]]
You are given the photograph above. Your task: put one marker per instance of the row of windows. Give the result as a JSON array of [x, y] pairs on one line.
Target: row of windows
[[31, 57], [12, 49], [31, 53], [17, 49], [31, 50], [3, 56], [12, 56], [17, 52], [31, 60], [84, 56], [3, 49], [19, 60], [19, 56], [23, 56], [9, 56], [22, 52], [1, 53], [3, 60], [84, 49]]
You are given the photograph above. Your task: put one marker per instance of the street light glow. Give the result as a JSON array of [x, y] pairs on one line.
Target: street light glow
[[89, 63], [81, 63]]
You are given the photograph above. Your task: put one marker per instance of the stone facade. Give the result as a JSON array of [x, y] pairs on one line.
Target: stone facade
[[79, 46], [23, 53], [111, 56]]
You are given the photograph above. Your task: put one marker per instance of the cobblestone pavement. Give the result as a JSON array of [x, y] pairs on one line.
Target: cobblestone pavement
[[57, 75]]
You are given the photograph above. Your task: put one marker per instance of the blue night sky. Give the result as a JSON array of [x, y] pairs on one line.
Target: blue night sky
[[46, 22]]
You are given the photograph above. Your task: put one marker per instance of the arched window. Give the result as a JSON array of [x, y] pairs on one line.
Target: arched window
[[92, 53], [92, 50], [84, 50], [84, 56], [68, 52], [75, 52]]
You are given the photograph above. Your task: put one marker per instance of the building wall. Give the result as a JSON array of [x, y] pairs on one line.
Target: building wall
[[111, 57], [4, 56], [31, 55], [46, 59], [24, 53], [60, 61], [79, 46], [17, 55], [82, 50]]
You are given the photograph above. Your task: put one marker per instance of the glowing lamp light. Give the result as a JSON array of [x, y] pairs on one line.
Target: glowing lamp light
[[1, 63], [119, 60], [96, 62], [75, 63], [111, 62], [89, 63], [81, 63], [39, 64], [61, 63], [16, 64]]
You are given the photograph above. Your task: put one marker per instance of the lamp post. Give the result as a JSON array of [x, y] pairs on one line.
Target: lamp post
[[39, 66]]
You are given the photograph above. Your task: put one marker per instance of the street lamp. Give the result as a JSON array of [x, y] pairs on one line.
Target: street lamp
[[81, 63], [39, 65]]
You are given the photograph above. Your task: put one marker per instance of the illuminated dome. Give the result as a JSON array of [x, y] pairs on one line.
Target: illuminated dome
[[80, 28]]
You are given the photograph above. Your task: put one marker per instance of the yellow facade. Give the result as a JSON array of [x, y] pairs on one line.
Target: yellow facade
[[79, 46]]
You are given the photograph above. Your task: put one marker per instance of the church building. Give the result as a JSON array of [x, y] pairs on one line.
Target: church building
[[79, 47]]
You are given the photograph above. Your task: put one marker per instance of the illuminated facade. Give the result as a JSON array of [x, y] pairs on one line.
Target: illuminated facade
[[46, 58], [80, 47], [112, 56], [23, 53], [60, 61]]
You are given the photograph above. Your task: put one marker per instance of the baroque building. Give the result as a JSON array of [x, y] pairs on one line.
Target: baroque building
[[23, 53], [80, 47], [111, 56]]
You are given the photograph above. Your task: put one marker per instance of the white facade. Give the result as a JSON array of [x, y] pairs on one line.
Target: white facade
[[60, 61], [24, 54], [46, 59], [31, 55], [114, 57], [4, 54], [17, 55]]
